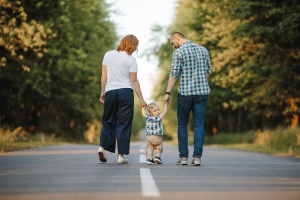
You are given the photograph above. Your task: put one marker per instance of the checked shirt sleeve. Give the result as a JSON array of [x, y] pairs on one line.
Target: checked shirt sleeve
[[175, 69], [208, 66]]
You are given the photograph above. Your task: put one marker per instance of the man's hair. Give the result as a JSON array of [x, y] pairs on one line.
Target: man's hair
[[151, 106], [128, 44], [179, 34]]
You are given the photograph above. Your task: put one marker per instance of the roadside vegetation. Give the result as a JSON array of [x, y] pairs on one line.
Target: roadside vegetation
[[254, 53], [280, 141], [19, 139]]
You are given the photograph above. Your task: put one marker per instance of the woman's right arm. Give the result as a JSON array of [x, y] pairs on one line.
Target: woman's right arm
[[103, 83]]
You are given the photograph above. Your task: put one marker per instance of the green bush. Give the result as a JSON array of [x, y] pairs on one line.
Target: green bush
[[17, 139], [283, 139]]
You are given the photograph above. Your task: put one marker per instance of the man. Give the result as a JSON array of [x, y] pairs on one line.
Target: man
[[192, 63]]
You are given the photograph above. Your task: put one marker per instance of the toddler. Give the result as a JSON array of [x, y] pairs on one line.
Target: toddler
[[154, 132]]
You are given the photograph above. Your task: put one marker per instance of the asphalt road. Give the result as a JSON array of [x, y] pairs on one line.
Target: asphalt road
[[74, 172]]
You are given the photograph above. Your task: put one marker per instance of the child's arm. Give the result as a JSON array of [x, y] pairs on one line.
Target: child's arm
[[144, 111], [164, 111]]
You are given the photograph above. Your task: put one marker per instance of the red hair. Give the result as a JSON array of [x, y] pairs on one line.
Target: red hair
[[128, 44]]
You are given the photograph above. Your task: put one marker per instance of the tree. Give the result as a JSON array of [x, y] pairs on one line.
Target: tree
[[61, 92], [20, 37], [254, 54], [273, 26]]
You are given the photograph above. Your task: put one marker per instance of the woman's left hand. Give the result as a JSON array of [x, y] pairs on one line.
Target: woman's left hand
[[102, 98], [143, 103]]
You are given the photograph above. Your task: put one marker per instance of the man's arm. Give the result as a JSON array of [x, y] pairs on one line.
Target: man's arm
[[207, 76], [171, 84]]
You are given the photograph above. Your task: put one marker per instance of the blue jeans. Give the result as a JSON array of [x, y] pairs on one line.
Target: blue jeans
[[186, 104], [117, 120]]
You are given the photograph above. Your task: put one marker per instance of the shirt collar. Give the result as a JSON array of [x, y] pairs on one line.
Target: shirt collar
[[188, 41]]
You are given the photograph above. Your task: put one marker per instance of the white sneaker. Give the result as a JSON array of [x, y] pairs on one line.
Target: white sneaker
[[122, 160], [182, 161], [101, 154], [196, 162]]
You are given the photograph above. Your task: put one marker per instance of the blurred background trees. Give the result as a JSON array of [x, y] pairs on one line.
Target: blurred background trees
[[51, 54], [255, 52], [51, 57]]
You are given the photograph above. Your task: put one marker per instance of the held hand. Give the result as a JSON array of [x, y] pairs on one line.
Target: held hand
[[102, 98], [166, 99], [143, 104], [166, 104]]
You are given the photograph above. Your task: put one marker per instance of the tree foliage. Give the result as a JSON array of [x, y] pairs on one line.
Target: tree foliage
[[60, 92], [254, 49], [19, 35]]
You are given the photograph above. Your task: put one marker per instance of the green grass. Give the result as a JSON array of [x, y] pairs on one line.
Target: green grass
[[18, 139], [15, 146], [295, 152], [279, 141], [230, 138]]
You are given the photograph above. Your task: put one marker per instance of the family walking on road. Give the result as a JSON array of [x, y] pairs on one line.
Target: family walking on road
[[190, 63]]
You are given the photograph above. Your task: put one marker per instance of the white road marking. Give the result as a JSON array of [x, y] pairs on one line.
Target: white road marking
[[149, 188], [142, 158], [142, 150]]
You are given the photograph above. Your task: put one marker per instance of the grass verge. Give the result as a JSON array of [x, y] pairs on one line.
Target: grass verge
[[261, 149], [279, 141], [18, 139]]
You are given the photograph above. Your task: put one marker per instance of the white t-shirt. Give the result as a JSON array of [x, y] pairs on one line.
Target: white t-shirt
[[119, 64]]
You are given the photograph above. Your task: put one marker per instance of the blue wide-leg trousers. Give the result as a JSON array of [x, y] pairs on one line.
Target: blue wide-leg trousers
[[117, 120]]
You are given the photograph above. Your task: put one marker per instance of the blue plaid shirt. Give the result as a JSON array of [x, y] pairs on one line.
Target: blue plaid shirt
[[154, 125], [191, 62]]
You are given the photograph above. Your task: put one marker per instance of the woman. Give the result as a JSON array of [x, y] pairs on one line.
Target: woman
[[119, 79]]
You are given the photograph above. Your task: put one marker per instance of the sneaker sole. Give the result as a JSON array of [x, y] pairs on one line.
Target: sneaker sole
[[123, 162], [157, 161], [195, 164], [101, 157], [181, 163], [150, 163]]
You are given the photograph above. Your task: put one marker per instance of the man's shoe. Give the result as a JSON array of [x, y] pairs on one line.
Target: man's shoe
[[150, 162], [101, 154], [157, 160], [182, 161], [196, 162], [122, 160]]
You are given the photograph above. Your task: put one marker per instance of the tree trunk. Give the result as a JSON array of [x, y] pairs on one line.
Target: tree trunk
[[239, 120]]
